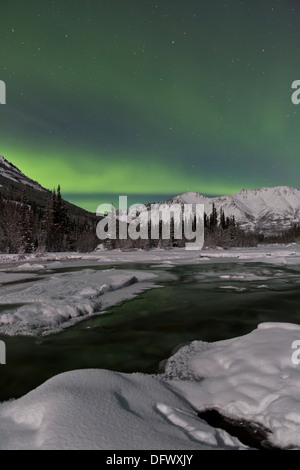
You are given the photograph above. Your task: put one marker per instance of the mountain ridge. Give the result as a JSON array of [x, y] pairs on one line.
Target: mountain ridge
[[13, 183], [269, 210]]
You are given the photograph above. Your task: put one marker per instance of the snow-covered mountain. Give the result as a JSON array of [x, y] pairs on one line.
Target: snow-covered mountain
[[13, 183], [267, 210], [10, 172]]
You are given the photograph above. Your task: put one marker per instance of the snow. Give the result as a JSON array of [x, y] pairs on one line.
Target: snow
[[288, 254], [58, 300], [267, 209], [7, 278], [4, 161], [262, 274], [251, 377], [237, 289], [99, 409], [9, 171], [66, 298], [31, 267]]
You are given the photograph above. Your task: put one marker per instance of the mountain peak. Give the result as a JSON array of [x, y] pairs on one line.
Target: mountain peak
[[272, 189], [190, 197]]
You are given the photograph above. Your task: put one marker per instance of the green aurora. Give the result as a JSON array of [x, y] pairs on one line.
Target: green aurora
[[150, 97]]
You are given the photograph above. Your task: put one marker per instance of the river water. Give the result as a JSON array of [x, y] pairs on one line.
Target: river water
[[208, 302]]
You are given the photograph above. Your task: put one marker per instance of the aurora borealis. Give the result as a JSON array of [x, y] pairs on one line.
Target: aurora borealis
[[150, 98]]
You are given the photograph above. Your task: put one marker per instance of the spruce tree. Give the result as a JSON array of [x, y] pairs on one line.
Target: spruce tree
[[213, 217], [26, 229], [47, 224]]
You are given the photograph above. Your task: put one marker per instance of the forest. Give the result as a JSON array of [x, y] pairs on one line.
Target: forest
[[26, 227]]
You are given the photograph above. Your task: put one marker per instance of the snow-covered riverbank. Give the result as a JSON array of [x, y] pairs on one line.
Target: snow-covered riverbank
[[281, 254], [251, 378], [58, 301], [47, 301]]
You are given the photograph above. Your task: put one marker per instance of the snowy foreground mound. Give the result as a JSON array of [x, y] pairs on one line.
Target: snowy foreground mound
[[98, 409], [62, 299], [250, 378]]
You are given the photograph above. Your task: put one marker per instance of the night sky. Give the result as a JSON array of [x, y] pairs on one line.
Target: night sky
[[151, 98]]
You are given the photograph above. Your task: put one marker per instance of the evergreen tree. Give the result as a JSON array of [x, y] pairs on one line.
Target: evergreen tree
[[26, 226], [47, 224], [213, 218], [206, 221], [223, 223], [61, 223]]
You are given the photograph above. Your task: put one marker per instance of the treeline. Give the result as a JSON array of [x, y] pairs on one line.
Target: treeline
[[219, 230], [224, 231], [26, 227], [290, 235]]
